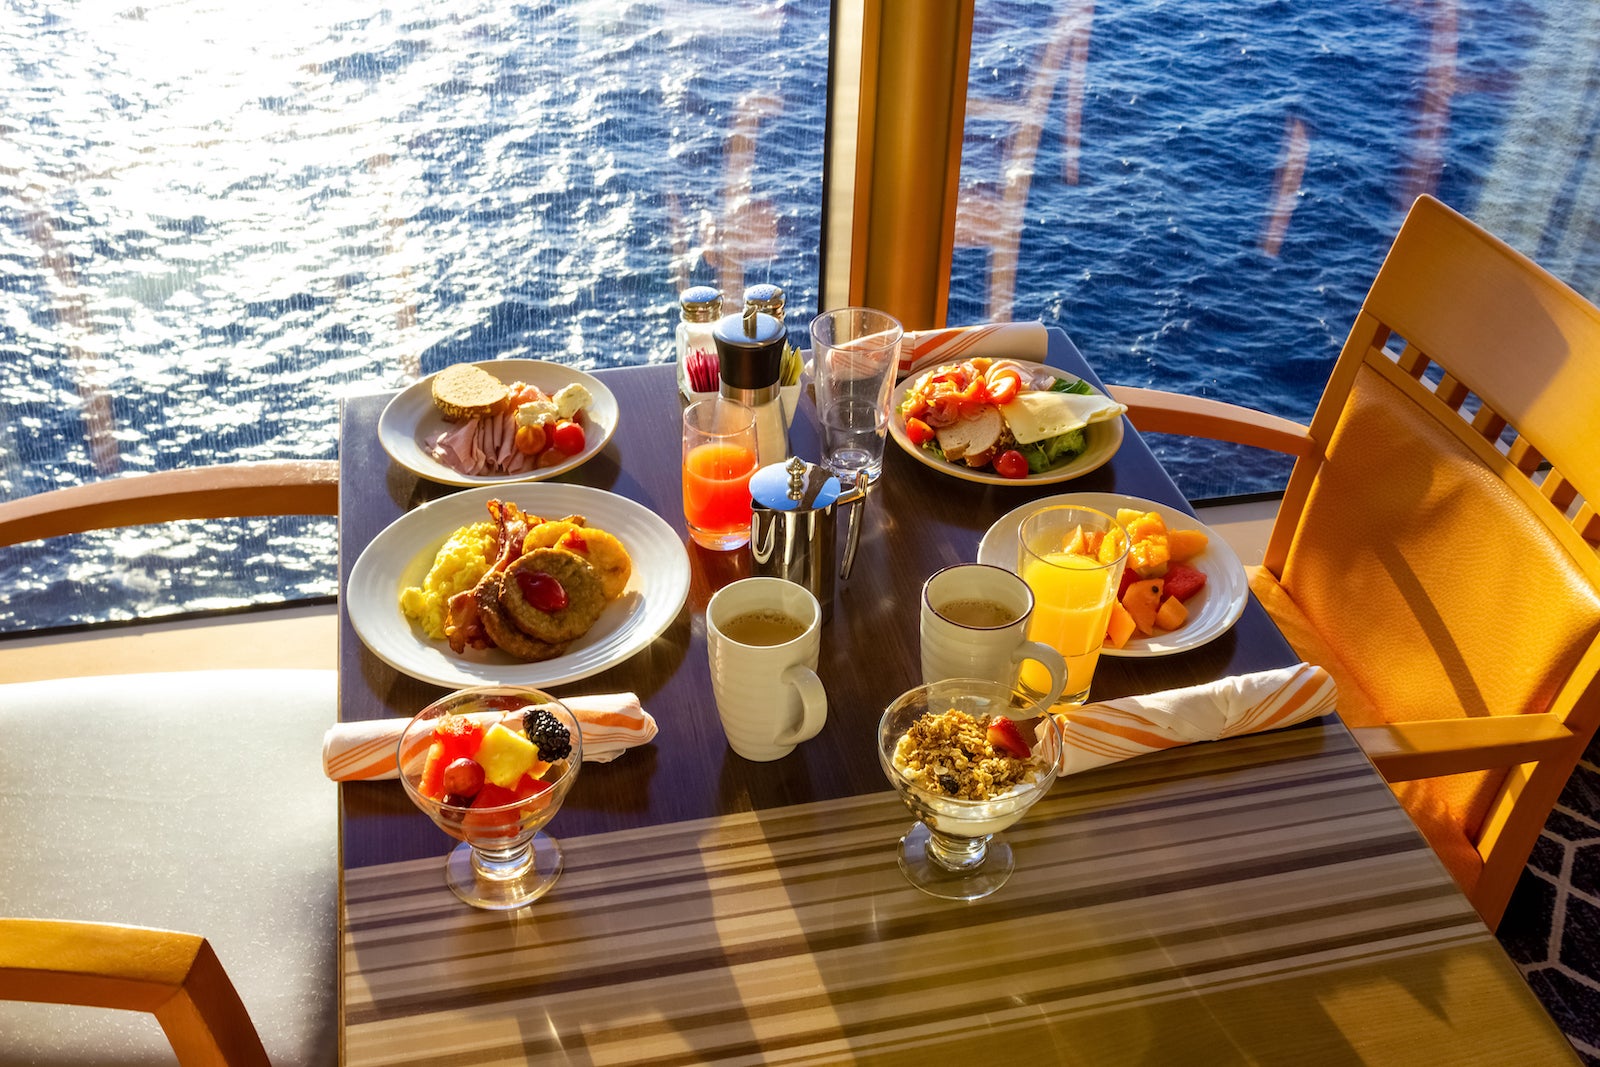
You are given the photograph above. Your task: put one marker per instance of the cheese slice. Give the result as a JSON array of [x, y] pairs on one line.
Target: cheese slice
[[1036, 415]]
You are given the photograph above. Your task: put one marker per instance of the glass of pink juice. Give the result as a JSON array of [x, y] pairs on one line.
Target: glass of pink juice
[[719, 456]]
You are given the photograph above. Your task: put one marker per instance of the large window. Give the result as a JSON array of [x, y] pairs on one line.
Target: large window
[[1200, 193], [219, 219]]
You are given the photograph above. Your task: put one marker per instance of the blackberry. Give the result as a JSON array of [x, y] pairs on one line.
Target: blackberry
[[549, 733]]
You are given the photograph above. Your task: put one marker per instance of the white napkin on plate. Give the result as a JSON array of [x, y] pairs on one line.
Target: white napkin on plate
[[921, 349], [1112, 730]]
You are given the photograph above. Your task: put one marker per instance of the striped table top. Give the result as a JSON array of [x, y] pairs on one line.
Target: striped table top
[[1255, 900]]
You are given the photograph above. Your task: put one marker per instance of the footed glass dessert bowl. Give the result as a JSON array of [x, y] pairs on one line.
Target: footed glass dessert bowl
[[491, 766], [969, 758]]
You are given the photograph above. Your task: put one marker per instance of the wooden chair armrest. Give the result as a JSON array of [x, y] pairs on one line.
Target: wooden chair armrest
[[283, 487], [175, 976], [1428, 749], [1155, 411]]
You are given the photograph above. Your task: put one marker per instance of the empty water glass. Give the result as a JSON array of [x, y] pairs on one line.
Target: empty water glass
[[854, 354]]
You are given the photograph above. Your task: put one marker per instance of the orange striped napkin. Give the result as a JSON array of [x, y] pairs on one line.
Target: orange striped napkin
[[1111, 730], [361, 751], [920, 349]]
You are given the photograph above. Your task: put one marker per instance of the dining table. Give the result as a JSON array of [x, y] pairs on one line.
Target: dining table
[[1262, 899]]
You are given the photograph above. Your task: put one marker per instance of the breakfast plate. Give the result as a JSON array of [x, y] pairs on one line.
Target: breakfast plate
[[1102, 440], [400, 556], [410, 420], [1212, 611]]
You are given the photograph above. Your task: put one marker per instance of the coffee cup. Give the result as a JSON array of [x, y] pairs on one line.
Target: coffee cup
[[975, 625], [763, 636]]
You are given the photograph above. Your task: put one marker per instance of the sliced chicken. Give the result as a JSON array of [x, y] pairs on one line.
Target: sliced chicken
[[972, 438]]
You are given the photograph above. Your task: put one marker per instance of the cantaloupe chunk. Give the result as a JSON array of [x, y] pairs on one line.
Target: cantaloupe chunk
[[1143, 600], [1172, 614], [1120, 626], [1184, 545]]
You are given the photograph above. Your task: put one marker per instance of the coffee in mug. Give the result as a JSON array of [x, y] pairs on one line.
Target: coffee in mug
[[762, 628], [977, 612]]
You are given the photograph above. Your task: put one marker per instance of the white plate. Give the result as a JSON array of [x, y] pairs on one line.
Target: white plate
[[400, 556], [1102, 439], [1211, 611], [410, 419]]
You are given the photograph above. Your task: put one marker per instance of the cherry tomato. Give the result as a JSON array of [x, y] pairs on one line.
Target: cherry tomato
[[530, 439], [919, 432], [1011, 464], [567, 437], [1004, 385]]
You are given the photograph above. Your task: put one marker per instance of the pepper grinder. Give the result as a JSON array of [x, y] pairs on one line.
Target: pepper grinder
[[750, 358]]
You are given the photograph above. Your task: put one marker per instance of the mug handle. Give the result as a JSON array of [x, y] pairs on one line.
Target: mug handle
[[813, 704], [1050, 660]]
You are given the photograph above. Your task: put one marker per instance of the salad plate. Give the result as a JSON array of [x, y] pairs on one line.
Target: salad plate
[[1102, 440], [410, 420], [400, 556], [1212, 611]]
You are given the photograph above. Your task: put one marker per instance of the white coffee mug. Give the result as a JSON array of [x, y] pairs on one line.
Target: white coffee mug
[[975, 625], [763, 636]]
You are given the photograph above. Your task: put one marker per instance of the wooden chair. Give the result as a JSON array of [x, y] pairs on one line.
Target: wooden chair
[[241, 748], [177, 977], [1436, 546]]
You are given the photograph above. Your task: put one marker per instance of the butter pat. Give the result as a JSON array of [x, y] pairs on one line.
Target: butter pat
[[1037, 415]]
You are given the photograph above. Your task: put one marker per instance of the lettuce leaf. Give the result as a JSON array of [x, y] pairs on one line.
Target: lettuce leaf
[[1042, 455]]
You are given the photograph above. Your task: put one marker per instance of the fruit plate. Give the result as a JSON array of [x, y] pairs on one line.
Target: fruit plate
[[401, 554], [410, 420], [1101, 438], [1212, 611]]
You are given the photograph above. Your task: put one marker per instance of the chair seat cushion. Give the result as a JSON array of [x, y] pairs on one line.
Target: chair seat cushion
[[1434, 804], [189, 801]]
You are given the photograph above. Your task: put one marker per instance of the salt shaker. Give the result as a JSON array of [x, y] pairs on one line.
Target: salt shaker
[[750, 358], [699, 307]]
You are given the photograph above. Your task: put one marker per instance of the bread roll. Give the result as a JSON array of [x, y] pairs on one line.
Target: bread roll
[[462, 391]]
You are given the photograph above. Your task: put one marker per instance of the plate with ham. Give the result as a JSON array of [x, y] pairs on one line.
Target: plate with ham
[[1005, 422], [474, 436]]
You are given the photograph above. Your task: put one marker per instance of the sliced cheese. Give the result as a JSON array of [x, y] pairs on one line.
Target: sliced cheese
[[1036, 415]]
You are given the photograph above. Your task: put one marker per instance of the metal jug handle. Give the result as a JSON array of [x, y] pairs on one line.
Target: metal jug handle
[[858, 499]]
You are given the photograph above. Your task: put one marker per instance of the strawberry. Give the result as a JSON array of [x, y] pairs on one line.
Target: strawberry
[[1183, 581], [1005, 738]]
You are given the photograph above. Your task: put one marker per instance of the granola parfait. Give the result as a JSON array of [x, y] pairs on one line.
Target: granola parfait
[[969, 758]]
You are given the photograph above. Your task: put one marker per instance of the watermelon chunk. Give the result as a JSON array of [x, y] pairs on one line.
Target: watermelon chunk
[[1183, 581], [460, 736]]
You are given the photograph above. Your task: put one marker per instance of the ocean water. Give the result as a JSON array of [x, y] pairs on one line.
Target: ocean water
[[217, 220]]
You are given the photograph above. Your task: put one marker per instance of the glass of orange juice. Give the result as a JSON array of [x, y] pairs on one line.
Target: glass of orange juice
[[1072, 558], [719, 456]]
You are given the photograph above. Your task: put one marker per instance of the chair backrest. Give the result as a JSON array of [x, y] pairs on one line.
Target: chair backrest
[[174, 976], [1441, 531]]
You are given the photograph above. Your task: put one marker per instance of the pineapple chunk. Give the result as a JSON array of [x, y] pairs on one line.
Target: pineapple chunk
[[1112, 545], [505, 756]]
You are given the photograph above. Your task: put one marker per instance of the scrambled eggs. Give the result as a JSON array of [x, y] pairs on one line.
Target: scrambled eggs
[[460, 564]]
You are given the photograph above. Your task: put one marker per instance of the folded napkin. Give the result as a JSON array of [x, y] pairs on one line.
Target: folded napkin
[[1112, 730], [360, 751], [921, 349]]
